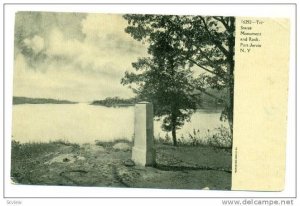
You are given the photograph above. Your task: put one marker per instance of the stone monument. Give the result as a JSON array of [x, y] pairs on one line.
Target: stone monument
[[143, 152]]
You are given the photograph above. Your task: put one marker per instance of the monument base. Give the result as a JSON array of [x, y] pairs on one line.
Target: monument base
[[142, 158]]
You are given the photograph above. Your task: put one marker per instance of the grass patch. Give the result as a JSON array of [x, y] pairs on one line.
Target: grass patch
[[36, 148], [186, 167], [31, 149], [26, 157]]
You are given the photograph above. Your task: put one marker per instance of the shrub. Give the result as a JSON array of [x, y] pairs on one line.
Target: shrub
[[219, 137]]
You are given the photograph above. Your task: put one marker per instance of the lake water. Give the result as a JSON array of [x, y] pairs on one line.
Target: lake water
[[84, 123]]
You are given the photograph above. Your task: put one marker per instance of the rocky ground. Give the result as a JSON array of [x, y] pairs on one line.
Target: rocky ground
[[109, 165]]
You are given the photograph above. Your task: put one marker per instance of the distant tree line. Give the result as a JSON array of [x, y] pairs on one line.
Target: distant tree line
[[28, 100], [206, 101], [115, 102]]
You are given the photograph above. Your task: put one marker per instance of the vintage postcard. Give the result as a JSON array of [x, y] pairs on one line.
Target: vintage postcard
[[150, 101]]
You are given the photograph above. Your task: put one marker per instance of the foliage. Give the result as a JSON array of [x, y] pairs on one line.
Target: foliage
[[187, 42], [165, 81]]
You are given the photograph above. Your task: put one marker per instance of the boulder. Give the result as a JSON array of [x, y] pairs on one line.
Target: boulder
[[129, 163], [93, 149], [64, 158]]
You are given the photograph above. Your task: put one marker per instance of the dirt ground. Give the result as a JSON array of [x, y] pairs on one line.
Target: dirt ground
[[184, 167]]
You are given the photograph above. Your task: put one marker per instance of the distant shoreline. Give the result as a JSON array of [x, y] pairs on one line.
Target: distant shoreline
[[28, 100], [112, 105], [115, 102], [109, 102]]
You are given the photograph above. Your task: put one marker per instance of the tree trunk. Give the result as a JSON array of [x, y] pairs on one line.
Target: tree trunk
[[230, 58], [174, 130], [174, 136], [230, 109]]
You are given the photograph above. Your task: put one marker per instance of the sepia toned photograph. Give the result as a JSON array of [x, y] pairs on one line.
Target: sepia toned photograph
[[123, 100]]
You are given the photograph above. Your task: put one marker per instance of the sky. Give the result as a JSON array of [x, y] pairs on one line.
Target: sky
[[73, 56]]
